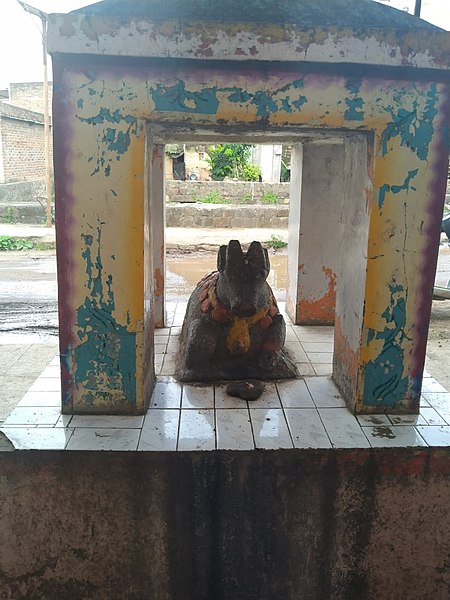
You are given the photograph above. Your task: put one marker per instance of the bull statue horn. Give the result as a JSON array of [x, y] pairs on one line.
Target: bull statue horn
[[230, 255], [258, 257]]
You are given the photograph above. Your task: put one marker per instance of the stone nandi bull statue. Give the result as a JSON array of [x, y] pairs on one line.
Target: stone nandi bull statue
[[233, 329]]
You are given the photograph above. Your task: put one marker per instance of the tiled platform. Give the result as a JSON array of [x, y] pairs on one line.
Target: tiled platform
[[306, 413]]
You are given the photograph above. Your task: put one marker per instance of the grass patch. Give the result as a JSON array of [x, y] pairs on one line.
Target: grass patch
[[8, 244], [276, 242], [211, 198], [246, 198], [269, 198]]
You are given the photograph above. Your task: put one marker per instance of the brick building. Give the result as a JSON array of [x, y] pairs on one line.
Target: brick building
[[21, 144], [22, 134]]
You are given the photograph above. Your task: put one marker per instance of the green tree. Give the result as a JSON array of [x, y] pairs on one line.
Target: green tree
[[232, 160]]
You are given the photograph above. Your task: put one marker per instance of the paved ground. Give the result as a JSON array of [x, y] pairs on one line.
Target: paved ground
[[20, 365]]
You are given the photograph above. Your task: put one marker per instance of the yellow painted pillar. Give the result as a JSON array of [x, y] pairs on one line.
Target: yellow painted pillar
[[100, 250]]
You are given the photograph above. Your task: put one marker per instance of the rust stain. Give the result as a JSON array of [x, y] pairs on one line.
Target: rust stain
[[416, 465], [347, 358], [323, 309], [159, 283]]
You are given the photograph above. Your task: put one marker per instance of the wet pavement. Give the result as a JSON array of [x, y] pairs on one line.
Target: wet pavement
[[28, 299]]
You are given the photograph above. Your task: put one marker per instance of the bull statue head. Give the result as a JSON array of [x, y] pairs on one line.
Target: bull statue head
[[241, 286]]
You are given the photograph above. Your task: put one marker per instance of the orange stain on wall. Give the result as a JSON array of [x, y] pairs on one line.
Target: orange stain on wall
[[321, 311], [159, 283], [345, 370]]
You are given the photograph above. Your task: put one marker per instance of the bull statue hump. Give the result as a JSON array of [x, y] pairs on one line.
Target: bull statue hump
[[233, 329]]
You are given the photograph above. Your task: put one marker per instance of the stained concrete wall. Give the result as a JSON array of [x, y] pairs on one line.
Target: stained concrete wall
[[321, 226], [309, 524], [351, 269], [293, 231]]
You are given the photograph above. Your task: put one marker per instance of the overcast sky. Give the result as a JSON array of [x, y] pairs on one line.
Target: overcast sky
[[20, 37]]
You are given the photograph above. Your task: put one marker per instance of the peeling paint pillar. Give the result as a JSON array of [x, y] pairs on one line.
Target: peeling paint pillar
[[156, 222], [99, 204], [314, 232]]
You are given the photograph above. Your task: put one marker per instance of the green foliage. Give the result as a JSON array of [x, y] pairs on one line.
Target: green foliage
[[9, 243], [276, 242], [211, 198], [228, 160], [285, 174], [246, 198], [9, 216], [250, 172], [269, 198]]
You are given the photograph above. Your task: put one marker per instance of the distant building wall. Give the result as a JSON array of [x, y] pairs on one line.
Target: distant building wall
[[268, 157], [30, 96], [196, 167], [22, 144]]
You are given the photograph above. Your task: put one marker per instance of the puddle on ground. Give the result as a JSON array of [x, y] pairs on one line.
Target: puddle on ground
[[183, 274]]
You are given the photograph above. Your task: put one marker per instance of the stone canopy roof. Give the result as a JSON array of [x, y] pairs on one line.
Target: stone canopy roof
[[308, 14]]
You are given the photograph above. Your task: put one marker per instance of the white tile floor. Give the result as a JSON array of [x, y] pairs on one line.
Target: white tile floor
[[305, 413]]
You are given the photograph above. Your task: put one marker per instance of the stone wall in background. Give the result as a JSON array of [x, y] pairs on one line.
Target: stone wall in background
[[23, 202], [227, 216], [236, 192]]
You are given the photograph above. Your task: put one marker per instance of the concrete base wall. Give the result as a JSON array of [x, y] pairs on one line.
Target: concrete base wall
[[22, 191], [20, 202], [310, 524]]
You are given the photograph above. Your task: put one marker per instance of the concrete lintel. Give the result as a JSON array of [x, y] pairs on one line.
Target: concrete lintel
[[163, 133], [206, 41]]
